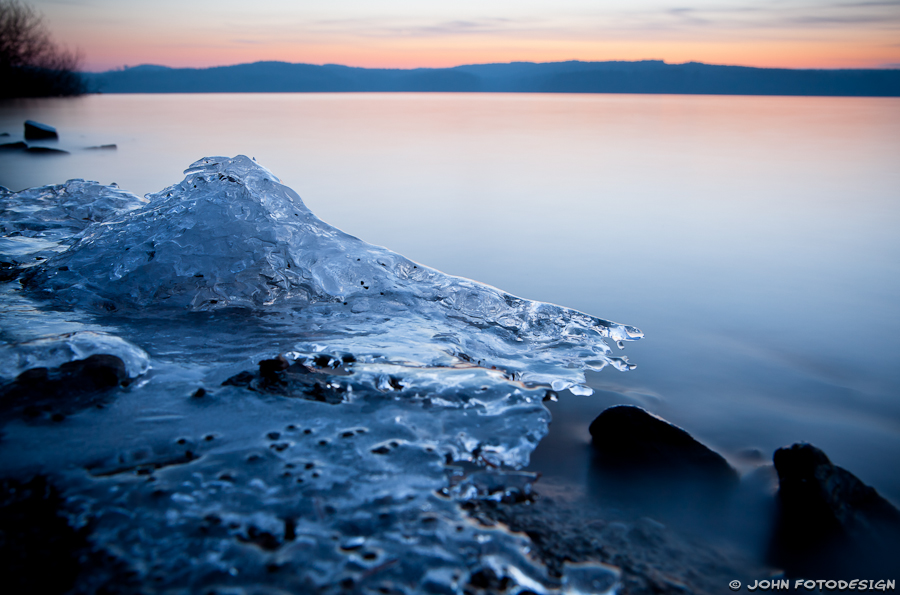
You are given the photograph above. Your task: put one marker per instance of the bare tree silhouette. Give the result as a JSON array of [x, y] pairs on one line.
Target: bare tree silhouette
[[31, 64]]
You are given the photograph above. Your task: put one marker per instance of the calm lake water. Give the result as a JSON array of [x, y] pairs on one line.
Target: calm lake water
[[753, 239]]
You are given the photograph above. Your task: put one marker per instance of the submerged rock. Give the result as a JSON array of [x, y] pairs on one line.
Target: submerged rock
[[643, 463], [58, 392], [38, 131], [46, 151], [629, 440], [830, 523], [17, 146]]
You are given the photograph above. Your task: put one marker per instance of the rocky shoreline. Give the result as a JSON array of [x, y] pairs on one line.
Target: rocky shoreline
[[661, 512], [662, 509], [654, 558]]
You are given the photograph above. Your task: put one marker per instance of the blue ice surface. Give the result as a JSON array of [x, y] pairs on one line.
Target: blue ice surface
[[343, 463]]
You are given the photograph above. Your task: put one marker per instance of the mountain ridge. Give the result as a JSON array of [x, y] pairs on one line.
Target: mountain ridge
[[574, 76]]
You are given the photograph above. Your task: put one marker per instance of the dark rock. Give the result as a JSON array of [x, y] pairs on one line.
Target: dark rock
[[18, 146], [646, 465], [269, 369], [46, 151], [34, 537], [830, 524], [37, 131], [279, 376], [260, 538], [71, 387], [244, 378], [630, 441], [40, 552], [97, 372], [485, 580], [9, 271]]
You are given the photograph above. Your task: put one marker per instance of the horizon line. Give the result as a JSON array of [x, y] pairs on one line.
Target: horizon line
[[663, 61]]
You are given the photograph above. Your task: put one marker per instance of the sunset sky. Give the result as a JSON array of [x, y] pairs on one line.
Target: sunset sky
[[430, 33]]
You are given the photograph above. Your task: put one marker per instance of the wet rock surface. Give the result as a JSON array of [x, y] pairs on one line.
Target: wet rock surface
[[653, 557], [16, 146], [46, 151], [644, 461], [632, 442], [54, 393], [310, 379], [38, 131], [830, 523]]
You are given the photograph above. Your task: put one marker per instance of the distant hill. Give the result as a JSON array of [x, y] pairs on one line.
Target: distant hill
[[648, 76]]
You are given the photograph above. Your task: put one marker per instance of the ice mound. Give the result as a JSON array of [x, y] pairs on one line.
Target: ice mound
[[39, 222], [318, 410], [230, 235]]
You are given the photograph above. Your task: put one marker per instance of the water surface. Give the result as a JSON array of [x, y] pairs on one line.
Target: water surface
[[753, 239]]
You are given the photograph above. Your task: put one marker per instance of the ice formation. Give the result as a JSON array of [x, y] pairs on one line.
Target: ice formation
[[230, 235], [311, 397], [39, 222]]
